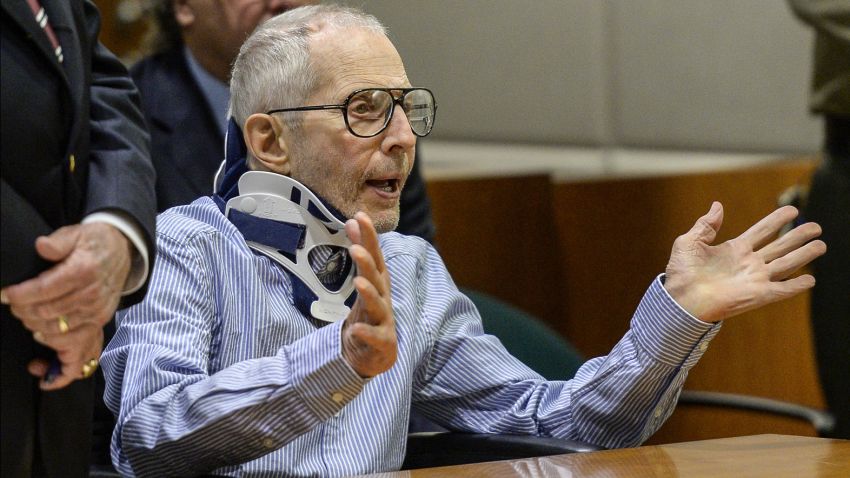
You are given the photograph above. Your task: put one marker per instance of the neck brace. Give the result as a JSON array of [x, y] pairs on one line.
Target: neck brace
[[283, 220]]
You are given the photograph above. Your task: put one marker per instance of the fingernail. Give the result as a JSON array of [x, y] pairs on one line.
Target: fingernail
[[3, 298], [38, 337]]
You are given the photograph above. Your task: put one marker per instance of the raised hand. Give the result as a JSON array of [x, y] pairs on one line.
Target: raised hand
[[369, 342], [66, 306], [717, 282]]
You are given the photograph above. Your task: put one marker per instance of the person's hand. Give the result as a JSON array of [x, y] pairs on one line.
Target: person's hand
[[63, 305], [369, 342], [717, 282], [77, 352]]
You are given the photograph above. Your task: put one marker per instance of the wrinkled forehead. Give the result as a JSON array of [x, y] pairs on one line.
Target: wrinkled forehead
[[353, 58]]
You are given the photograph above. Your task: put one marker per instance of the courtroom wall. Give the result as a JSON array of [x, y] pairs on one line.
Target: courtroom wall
[[723, 75]]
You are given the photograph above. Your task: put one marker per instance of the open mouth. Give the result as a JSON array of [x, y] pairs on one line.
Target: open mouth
[[385, 185]]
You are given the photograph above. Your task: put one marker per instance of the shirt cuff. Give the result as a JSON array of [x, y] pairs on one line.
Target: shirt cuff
[[139, 260], [321, 375], [667, 331]]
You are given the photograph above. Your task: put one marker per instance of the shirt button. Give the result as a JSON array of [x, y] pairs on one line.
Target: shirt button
[[337, 397], [72, 163], [703, 346], [658, 411], [268, 443]]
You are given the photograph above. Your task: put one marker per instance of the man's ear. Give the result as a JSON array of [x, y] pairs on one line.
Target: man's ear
[[184, 14], [264, 139]]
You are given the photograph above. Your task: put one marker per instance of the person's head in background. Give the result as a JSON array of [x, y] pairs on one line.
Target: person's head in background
[[213, 30], [324, 55]]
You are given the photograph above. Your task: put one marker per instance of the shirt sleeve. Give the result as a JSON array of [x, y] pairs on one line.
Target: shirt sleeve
[[158, 384], [471, 383]]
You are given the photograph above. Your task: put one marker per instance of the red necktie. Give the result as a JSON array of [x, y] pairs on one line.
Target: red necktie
[[41, 19]]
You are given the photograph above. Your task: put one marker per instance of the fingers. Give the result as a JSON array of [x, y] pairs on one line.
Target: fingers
[[97, 308], [68, 341], [372, 288], [89, 304], [55, 282], [89, 280], [77, 352], [761, 232], [366, 267], [38, 367], [791, 287], [352, 229], [367, 254], [790, 241], [790, 263], [49, 285], [369, 239], [369, 338], [58, 325], [59, 244], [371, 302], [707, 226]]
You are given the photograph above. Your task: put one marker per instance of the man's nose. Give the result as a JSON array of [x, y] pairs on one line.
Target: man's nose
[[399, 131]]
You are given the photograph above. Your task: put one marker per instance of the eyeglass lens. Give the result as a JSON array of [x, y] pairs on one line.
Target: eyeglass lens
[[369, 111]]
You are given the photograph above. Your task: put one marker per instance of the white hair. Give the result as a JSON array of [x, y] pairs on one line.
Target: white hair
[[274, 68]]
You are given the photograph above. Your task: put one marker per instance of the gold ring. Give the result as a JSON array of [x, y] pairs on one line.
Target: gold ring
[[89, 368], [62, 321]]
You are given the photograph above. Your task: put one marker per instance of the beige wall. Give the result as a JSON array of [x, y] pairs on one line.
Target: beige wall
[[724, 75]]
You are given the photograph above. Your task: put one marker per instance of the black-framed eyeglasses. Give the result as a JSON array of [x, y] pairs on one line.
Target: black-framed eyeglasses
[[368, 111]]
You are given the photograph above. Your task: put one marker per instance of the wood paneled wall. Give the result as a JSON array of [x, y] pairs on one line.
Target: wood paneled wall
[[581, 254]]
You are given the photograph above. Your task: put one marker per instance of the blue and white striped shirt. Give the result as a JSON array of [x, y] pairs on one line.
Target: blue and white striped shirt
[[217, 371]]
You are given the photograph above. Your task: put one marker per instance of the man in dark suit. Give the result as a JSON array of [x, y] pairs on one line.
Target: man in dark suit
[[184, 89], [77, 226]]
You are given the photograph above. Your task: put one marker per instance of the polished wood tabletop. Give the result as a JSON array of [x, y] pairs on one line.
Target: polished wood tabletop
[[748, 456]]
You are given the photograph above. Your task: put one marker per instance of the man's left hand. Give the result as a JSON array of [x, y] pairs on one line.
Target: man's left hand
[[715, 282]]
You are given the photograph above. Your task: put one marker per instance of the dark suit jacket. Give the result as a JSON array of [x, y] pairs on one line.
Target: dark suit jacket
[[187, 144], [73, 142]]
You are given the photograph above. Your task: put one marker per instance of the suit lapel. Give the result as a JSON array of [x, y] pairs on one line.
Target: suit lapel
[[23, 16], [61, 19]]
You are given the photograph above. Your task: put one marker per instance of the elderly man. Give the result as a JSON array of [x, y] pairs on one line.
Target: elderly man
[[242, 362], [197, 43]]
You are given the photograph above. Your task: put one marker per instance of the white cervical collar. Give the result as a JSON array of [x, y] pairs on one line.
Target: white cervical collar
[[267, 195]]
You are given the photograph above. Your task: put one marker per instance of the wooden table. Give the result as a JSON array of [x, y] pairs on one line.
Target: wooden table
[[748, 456]]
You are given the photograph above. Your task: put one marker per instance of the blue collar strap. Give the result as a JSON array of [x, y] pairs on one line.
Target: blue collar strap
[[233, 166], [286, 237]]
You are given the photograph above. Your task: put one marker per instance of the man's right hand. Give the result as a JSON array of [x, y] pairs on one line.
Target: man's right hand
[[67, 305], [369, 342]]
